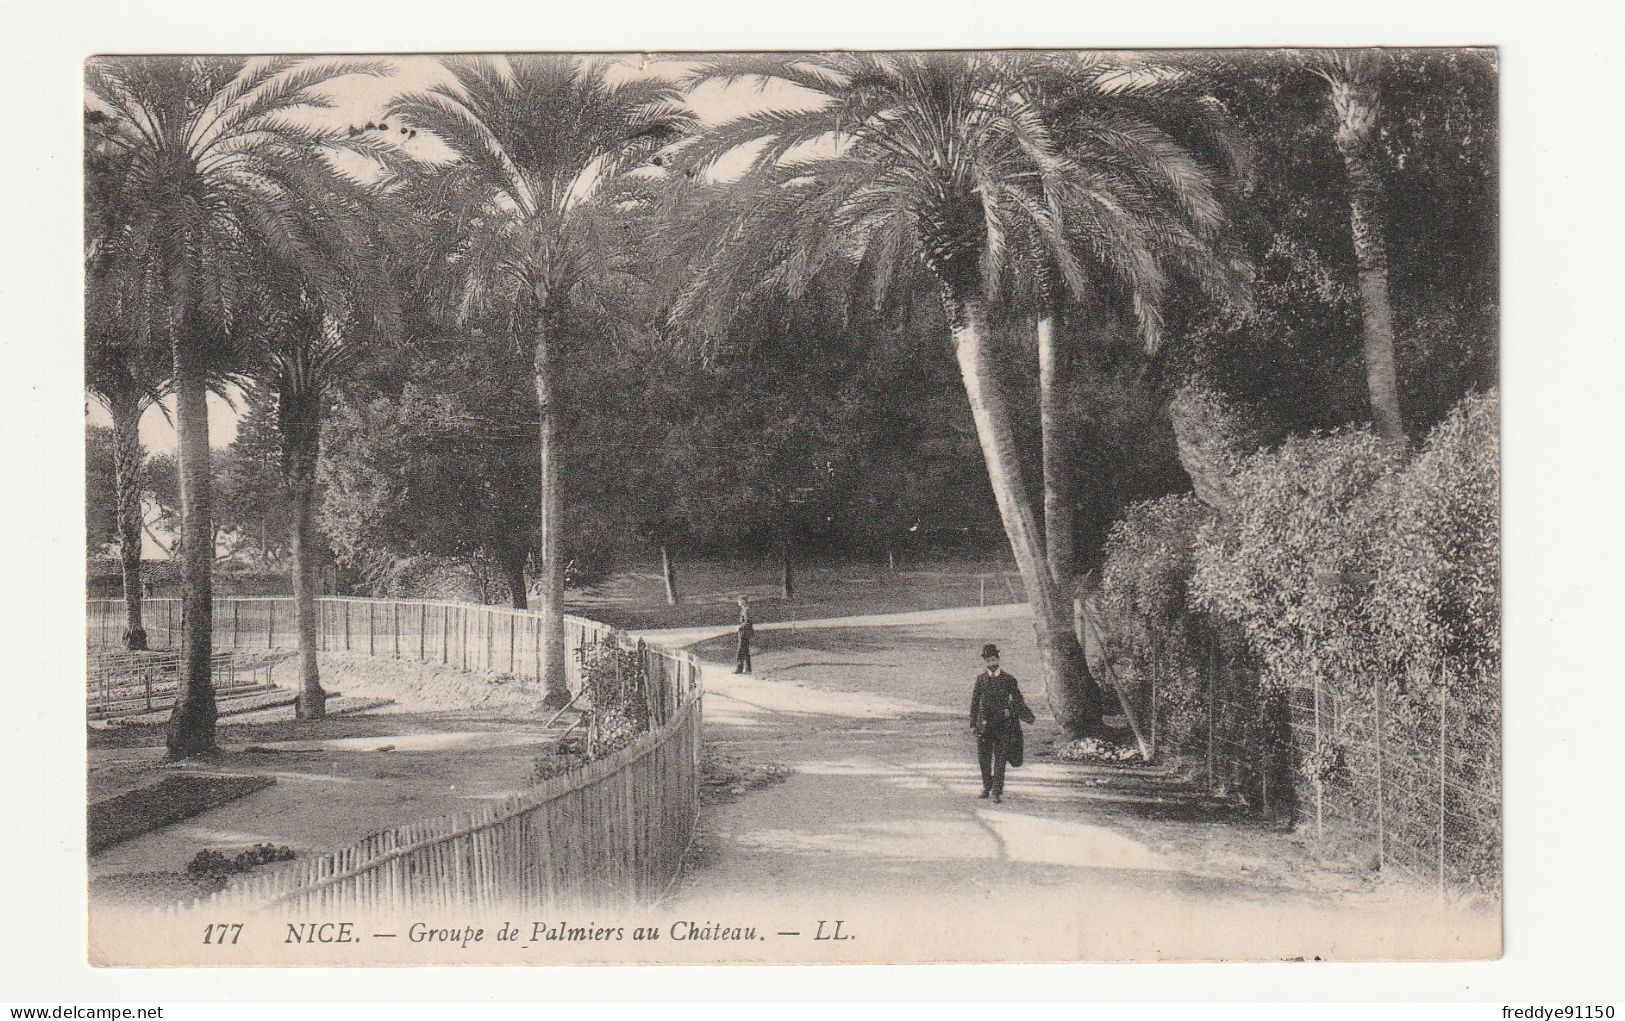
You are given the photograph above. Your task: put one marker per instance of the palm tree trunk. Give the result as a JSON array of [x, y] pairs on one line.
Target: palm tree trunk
[[1058, 527], [669, 574], [1058, 649], [301, 439], [191, 725], [1054, 375], [552, 525], [1356, 109], [312, 704], [128, 459]]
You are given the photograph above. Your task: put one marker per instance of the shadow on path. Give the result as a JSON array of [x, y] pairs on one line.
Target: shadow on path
[[881, 818]]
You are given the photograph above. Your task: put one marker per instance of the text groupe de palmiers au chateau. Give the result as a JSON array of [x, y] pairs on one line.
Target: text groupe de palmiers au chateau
[[560, 932]]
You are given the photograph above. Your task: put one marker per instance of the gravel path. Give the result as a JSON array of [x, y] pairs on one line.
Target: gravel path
[[878, 824]]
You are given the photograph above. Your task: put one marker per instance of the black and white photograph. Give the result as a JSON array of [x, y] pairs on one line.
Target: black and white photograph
[[793, 507]]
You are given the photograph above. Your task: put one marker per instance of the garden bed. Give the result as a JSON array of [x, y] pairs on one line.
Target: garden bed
[[172, 799]]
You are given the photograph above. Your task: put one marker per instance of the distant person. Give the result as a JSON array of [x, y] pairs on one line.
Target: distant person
[[742, 663], [996, 712]]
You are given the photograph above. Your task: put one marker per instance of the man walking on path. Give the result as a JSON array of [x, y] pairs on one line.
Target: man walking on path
[[742, 664], [996, 712]]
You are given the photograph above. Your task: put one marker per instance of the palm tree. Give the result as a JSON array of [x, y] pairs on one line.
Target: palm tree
[[532, 210], [1352, 78], [218, 161], [1152, 161], [124, 376], [943, 159], [303, 325], [125, 379]]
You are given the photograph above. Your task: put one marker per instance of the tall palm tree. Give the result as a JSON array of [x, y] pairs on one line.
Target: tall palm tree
[[219, 161], [303, 325], [124, 376], [1153, 161], [126, 379], [943, 159], [1352, 78], [531, 207]]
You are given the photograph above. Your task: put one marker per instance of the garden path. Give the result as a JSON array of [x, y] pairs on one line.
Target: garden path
[[878, 824]]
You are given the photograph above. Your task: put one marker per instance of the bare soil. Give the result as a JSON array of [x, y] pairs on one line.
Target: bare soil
[[877, 820], [428, 741]]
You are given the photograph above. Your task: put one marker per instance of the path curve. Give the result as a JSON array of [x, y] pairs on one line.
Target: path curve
[[879, 824]]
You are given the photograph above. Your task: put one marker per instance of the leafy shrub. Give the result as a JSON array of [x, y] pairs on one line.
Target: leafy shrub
[[1214, 435], [1339, 568], [1437, 588], [1289, 562], [1435, 606], [1147, 629], [616, 680], [209, 869], [564, 757], [616, 702]]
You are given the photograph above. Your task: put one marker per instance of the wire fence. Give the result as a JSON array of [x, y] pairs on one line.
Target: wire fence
[[611, 832], [1406, 768], [491, 639]]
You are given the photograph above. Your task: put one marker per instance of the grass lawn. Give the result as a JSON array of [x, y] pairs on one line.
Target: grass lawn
[[634, 597]]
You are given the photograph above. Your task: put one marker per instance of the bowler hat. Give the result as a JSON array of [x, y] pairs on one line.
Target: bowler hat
[[990, 651]]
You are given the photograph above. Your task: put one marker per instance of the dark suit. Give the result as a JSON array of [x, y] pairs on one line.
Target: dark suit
[[742, 660], [996, 708]]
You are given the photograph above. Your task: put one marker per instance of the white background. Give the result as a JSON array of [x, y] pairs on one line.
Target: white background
[[1561, 379]]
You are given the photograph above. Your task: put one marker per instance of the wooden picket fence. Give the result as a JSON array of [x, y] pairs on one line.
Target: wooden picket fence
[[612, 832]]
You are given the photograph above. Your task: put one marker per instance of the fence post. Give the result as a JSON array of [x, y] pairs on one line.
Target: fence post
[[395, 626], [1382, 844], [462, 613], [1320, 815], [169, 623], [1444, 704], [981, 590], [235, 606], [1212, 703], [346, 605], [423, 632], [513, 629], [1153, 710], [371, 635]]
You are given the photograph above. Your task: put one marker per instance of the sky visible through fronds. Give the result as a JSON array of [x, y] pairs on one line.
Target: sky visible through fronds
[[361, 99]]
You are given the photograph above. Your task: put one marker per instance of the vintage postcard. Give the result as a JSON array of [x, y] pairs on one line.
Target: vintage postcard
[[797, 507]]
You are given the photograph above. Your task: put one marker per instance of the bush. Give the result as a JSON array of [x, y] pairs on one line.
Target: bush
[[1290, 561], [616, 680], [564, 757], [1435, 607], [1340, 577], [1194, 670], [209, 869], [1214, 435], [1147, 630], [1436, 595]]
